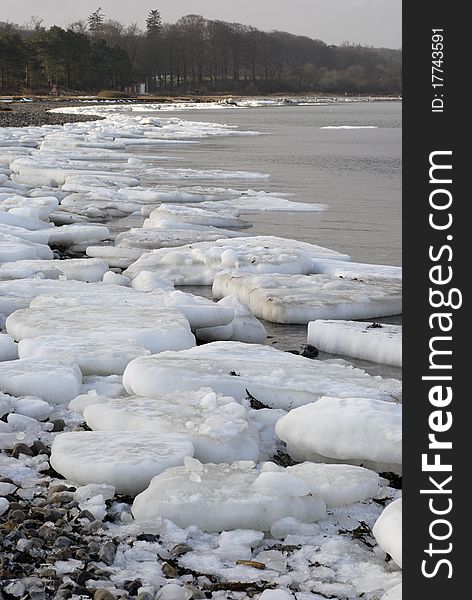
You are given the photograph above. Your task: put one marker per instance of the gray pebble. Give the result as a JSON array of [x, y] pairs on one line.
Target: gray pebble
[[107, 553], [21, 449], [103, 595]]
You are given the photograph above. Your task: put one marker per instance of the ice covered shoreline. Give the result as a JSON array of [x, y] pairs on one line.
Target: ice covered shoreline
[[109, 377]]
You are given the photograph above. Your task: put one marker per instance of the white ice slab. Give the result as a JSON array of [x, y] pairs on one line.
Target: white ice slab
[[96, 352], [338, 484], [243, 328], [52, 381], [388, 530], [91, 269], [359, 431], [375, 342], [9, 218], [115, 256], [154, 328], [123, 459], [67, 235], [200, 263], [14, 248], [217, 426], [301, 298], [154, 238], [223, 497], [354, 269], [195, 215], [8, 348], [33, 208], [278, 379]]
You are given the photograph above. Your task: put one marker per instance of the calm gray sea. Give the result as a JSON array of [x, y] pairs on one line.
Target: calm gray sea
[[356, 172]]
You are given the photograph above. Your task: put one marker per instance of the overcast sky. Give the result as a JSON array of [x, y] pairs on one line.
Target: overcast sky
[[372, 22]]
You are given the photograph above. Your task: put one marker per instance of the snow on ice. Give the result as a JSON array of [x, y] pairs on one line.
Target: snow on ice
[[222, 497], [275, 378], [371, 341], [122, 459], [352, 430], [301, 298]]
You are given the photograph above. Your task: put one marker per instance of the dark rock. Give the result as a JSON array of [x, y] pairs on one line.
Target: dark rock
[[60, 497], [17, 516], [58, 425], [148, 537], [180, 549], [86, 514], [145, 596], [39, 448], [132, 586], [48, 533], [21, 448], [103, 595], [169, 570], [107, 553], [309, 351]]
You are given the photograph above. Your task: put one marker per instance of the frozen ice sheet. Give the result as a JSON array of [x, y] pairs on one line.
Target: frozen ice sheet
[[362, 431], [376, 342], [218, 426], [223, 497], [126, 460], [201, 262], [278, 379], [300, 299]]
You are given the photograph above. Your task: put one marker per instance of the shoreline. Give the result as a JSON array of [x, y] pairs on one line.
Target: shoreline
[[35, 112]]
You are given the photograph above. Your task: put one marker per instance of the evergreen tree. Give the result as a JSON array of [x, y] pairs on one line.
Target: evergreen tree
[[153, 22], [95, 22]]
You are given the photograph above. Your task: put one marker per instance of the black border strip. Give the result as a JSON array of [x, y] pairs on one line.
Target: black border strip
[[424, 132]]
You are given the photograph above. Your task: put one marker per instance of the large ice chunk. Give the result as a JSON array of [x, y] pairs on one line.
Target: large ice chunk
[[370, 341], [276, 378], [388, 530], [201, 262], [194, 215], [155, 328], [53, 381], [67, 235], [222, 497], [338, 484], [218, 426], [354, 269], [351, 430], [123, 459], [153, 237], [243, 328], [96, 352], [303, 298], [80, 269], [8, 348]]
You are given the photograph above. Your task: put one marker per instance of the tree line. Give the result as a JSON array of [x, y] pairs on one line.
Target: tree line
[[193, 55]]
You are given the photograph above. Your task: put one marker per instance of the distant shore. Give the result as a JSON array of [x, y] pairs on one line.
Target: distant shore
[[34, 111]]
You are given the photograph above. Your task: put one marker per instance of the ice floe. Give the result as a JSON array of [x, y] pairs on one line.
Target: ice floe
[[53, 381], [201, 262], [122, 459], [359, 431], [277, 379], [303, 298], [370, 341], [222, 497], [217, 426], [388, 530]]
